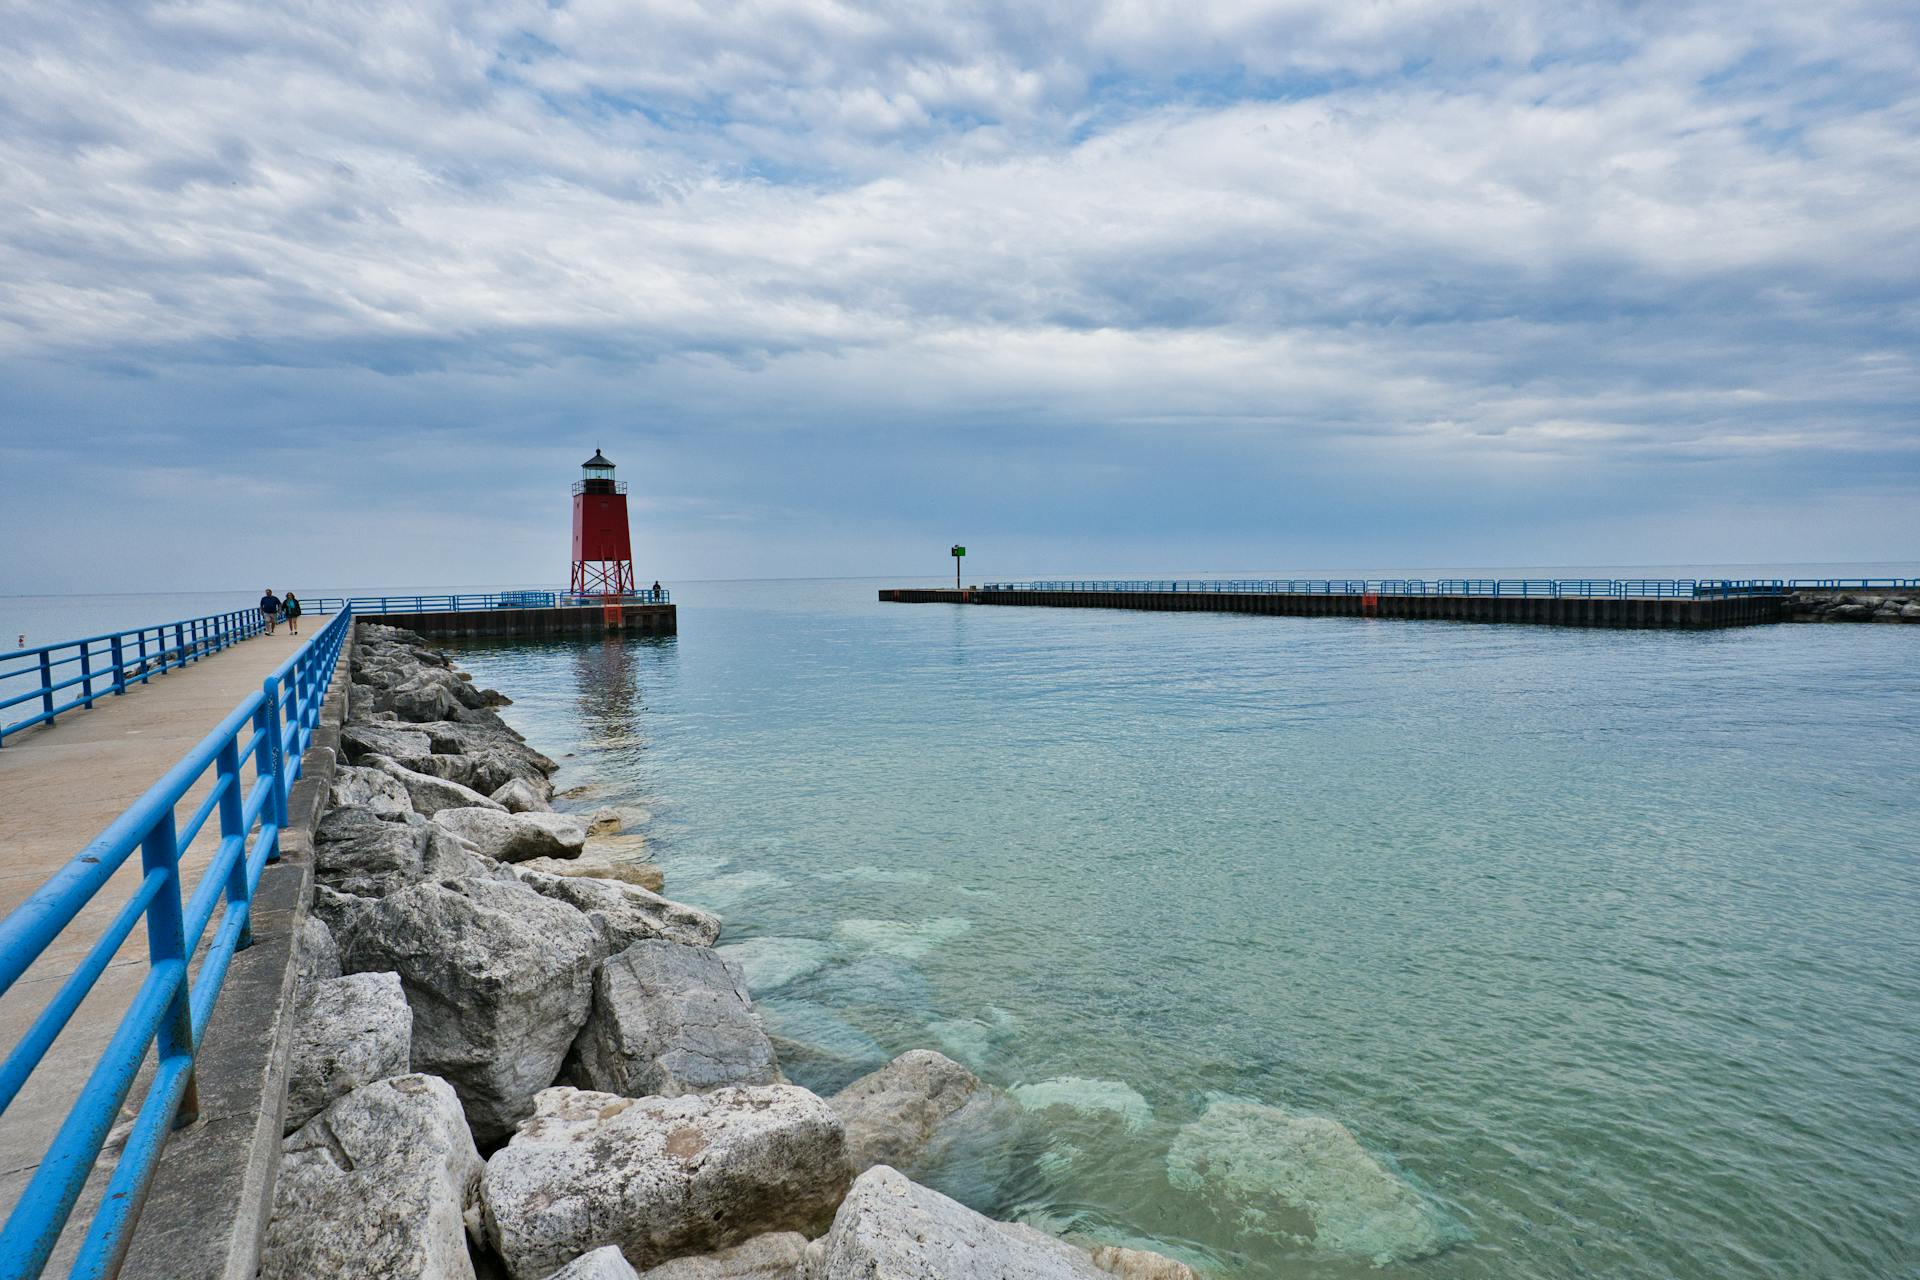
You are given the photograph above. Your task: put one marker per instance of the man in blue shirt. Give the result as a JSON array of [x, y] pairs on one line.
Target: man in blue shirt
[[269, 609]]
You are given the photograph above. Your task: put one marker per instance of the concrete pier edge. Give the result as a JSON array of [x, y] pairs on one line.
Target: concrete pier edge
[[207, 1211]]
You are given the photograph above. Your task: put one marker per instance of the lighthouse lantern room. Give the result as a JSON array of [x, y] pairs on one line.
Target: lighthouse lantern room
[[602, 548]]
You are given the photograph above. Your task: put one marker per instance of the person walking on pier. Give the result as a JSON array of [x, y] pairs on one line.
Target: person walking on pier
[[269, 609], [290, 610], [656, 590]]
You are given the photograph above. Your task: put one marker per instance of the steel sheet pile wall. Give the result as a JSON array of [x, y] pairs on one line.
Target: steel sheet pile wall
[[1637, 613], [566, 620]]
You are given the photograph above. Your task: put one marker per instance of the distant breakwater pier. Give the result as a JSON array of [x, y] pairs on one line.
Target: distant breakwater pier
[[1638, 604]]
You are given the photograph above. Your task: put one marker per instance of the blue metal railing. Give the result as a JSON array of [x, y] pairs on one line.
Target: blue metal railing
[[1555, 588], [1854, 584], [107, 664], [263, 737], [478, 602]]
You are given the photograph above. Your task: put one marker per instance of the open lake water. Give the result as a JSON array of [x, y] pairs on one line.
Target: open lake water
[[1601, 944]]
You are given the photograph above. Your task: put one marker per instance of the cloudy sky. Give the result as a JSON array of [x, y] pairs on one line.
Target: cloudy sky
[[343, 293]]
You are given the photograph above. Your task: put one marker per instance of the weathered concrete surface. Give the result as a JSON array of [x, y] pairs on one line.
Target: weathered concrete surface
[[60, 785]]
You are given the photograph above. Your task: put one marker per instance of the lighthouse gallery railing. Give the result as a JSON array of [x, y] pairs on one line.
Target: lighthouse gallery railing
[[250, 761]]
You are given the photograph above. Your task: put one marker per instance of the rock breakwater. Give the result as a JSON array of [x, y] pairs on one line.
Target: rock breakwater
[[518, 1059]]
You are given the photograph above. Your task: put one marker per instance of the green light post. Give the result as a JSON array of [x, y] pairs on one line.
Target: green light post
[[957, 553]]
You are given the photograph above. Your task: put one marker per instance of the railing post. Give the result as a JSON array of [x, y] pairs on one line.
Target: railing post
[[119, 667], [232, 818], [46, 684], [143, 656], [167, 940], [179, 644], [86, 673], [272, 760]]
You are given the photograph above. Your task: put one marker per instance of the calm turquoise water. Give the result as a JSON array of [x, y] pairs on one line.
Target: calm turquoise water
[[1603, 945]]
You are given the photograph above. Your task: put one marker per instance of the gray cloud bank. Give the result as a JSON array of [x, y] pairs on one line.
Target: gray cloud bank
[[1527, 250]]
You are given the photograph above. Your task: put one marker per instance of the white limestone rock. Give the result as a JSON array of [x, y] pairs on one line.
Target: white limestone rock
[[774, 1256], [352, 1031], [522, 795], [644, 874], [428, 794], [625, 913], [380, 792], [513, 837], [1274, 1172], [357, 852], [405, 745], [319, 954], [604, 1263], [375, 1185], [498, 978], [890, 1228], [472, 737], [669, 1019], [661, 1177]]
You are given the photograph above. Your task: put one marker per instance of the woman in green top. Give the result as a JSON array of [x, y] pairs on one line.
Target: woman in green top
[[290, 610]]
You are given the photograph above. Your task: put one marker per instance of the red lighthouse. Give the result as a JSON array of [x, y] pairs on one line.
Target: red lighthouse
[[602, 549]]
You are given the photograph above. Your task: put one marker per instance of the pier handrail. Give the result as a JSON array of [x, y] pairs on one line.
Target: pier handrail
[[269, 730], [535, 599], [109, 663], [1552, 588]]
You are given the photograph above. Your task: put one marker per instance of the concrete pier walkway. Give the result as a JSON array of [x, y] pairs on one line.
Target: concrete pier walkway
[[60, 785]]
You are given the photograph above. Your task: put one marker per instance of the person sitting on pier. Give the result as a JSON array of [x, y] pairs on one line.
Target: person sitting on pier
[[269, 609]]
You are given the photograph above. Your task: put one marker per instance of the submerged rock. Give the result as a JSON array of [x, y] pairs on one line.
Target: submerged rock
[[661, 1177], [771, 963], [498, 978], [352, 1031], [1090, 1097], [1276, 1167], [904, 1114], [773, 1256], [1139, 1264], [375, 1185], [667, 1019], [820, 1049]]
